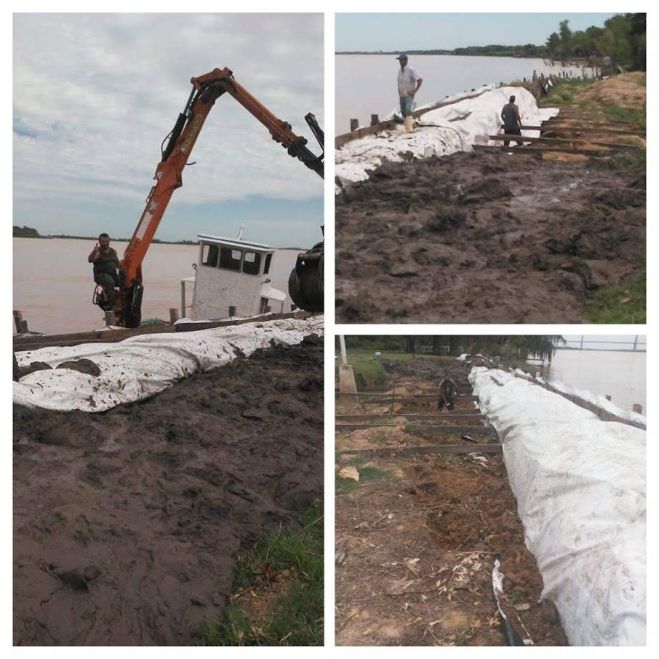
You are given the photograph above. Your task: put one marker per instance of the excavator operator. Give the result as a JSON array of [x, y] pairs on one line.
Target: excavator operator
[[106, 268]]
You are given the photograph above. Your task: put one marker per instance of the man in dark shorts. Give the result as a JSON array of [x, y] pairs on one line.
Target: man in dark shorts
[[448, 392], [512, 122], [106, 267]]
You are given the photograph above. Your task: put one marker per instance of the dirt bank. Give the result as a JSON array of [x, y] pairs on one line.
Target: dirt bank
[[416, 540], [486, 238], [127, 523]]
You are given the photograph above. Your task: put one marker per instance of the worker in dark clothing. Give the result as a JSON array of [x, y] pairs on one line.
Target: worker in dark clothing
[[448, 392], [106, 267], [512, 122]]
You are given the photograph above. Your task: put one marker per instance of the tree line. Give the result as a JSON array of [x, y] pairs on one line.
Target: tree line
[[622, 39], [518, 346]]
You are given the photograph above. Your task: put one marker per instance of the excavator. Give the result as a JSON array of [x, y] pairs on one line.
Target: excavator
[[306, 279]]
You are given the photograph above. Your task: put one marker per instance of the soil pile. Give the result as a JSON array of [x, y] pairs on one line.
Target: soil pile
[[127, 523], [485, 238]]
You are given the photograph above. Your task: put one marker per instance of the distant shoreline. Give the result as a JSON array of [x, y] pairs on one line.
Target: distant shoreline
[[118, 240]]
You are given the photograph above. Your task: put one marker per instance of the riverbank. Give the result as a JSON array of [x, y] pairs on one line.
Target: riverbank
[[492, 237], [127, 524]]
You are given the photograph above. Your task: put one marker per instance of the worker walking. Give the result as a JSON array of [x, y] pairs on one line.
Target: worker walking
[[448, 393], [106, 267], [512, 122], [408, 85]]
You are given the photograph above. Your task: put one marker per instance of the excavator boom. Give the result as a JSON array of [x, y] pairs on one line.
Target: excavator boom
[[206, 89]]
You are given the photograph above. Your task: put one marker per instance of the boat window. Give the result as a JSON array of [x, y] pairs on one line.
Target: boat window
[[266, 269], [230, 258], [209, 255], [251, 263]]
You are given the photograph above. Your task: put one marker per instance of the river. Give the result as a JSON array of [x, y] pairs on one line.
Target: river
[[53, 283], [618, 373], [366, 84]]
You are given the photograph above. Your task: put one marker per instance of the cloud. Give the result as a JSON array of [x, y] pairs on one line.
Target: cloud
[[95, 94]]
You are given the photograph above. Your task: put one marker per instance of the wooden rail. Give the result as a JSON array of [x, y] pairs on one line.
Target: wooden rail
[[22, 343], [402, 451]]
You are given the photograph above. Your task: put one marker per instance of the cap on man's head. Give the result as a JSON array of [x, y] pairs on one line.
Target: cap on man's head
[[402, 56]]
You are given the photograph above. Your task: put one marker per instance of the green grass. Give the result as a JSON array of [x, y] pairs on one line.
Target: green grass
[[294, 616], [620, 304], [366, 474], [371, 372]]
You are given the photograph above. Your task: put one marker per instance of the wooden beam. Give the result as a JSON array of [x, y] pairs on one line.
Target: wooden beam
[[418, 428], [403, 451], [560, 141], [538, 151], [113, 336], [463, 414]]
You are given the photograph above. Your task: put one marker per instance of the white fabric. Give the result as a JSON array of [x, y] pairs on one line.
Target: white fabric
[[474, 120], [142, 366], [581, 495]]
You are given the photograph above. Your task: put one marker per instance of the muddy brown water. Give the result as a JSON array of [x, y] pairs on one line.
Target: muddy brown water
[[127, 523], [485, 238]]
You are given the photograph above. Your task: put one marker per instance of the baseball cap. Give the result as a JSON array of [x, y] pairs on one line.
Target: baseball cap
[[402, 56]]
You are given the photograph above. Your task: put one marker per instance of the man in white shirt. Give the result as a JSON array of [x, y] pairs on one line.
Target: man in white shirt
[[408, 85]]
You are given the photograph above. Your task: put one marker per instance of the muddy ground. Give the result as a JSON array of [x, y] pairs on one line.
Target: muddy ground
[[486, 238], [416, 540], [127, 523]]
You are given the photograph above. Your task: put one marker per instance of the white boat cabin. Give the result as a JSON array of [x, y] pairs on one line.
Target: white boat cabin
[[235, 278]]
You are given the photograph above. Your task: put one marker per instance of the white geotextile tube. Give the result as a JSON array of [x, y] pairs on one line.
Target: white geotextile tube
[[580, 487], [142, 366]]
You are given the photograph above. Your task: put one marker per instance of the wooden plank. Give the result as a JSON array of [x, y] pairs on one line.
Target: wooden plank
[[561, 141], [419, 428], [404, 451], [537, 150], [587, 130], [463, 414], [113, 336]]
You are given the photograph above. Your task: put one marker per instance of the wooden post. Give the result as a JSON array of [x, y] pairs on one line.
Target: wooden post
[[18, 319], [374, 119], [637, 408], [232, 311], [173, 315], [354, 124], [608, 396], [393, 394], [24, 329], [182, 299]]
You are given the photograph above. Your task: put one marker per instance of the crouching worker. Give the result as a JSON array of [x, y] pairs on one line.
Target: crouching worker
[[106, 267], [448, 392]]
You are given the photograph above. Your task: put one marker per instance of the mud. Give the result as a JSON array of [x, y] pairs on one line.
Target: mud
[[416, 542], [127, 523], [485, 237]]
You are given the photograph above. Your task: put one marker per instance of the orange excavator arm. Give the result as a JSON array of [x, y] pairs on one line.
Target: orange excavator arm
[[206, 89]]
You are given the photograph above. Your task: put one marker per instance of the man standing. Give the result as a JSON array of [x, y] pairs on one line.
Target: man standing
[[512, 122], [408, 85], [448, 392], [106, 264]]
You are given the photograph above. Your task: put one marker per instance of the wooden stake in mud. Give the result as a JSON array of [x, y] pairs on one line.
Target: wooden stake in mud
[[354, 124], [173, 315], [374, 119], [18, 320], [638, 408]]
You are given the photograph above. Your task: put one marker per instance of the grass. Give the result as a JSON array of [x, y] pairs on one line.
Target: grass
[[285, 571], [366, 474], [371, 372], [620, 304]]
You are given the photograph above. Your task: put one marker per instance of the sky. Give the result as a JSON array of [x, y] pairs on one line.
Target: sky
[[96, 94], [417, 31]]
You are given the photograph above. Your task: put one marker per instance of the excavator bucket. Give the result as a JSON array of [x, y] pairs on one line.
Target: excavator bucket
[[305, 283]]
